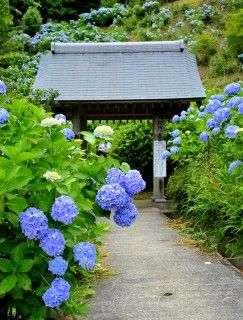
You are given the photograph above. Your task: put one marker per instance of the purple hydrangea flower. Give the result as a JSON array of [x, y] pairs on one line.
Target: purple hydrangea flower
[[58, 266], [57, 294], [232, 89], [222, 115], [64, 210], [211, 123], [177, 140], [174, 149], [234, 102], [175, 118], [216, 130], [240, 108], [68, 134], [4, 115], [234, 165], [175, 133], [2, 87], [61, 117], [126, 216], [165, 154], [53, 243], [212, 106], [85, 255], [219, 97], [133, 182], [112, 196], [33, 223], [229, 131], [204, 136], [114, 175]]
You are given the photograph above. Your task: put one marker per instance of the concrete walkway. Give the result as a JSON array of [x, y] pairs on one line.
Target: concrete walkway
[[160, 280]]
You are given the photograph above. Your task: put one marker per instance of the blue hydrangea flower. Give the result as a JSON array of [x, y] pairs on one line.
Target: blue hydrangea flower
[[216, 130], [240, 108], [222, 115], [175, 118], [175, 133], [174, 149], [126, 216], [61, 117], [133, 182], [201, 114], [4, 115], [177, 140], [204, 136], [190, 109], [64, 210], [234, 165], [114, 175], [229, 131], [211, 123], [58, 266], [182, 117], [2, 87], [112, 196], [84, 253], [53, 243], [232, 89], [183, 113], [234, 102], [34, 223], [57, 294], [219, 97], [165, 154], [212, 106], [68, 134]]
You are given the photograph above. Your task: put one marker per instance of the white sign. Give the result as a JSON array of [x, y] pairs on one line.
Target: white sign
[[159, 163]]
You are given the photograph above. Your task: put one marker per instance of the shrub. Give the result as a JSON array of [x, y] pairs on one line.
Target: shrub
[[220, 66], [132, 143], [5, 20], [206, 45], [234, 32], [31, 21]]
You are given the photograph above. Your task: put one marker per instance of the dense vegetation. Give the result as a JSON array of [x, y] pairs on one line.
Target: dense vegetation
[[42, 166]]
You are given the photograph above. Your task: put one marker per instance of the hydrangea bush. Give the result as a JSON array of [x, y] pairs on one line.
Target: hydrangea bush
[[48, 192], [207, 181]]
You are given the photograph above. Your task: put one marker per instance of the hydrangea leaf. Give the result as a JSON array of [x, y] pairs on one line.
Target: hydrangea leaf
[[8, 283], [24, 281], [25, 265], [5, 265], [17, 205]]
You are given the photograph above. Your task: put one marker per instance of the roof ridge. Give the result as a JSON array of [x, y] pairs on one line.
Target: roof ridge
[[113, 47]]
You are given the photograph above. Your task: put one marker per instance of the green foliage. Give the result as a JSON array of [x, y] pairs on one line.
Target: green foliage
[[132, 143], [206, 194], [220, 65], [28, 151], [31, 21], [5, 20], [234, 31], [44, 97], [205, 47]]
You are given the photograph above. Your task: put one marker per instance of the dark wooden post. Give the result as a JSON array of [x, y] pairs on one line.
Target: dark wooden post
[[76, 120]]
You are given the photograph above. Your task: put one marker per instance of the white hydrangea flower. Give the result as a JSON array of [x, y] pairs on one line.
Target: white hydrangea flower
[[52, 176], [103, 131], [49, 122]]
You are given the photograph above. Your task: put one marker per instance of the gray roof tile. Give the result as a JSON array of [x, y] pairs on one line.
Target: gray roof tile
[[120, 71]]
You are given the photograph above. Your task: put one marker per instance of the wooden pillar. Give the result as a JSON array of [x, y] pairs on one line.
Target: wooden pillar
[[76, 120], [158, 182]]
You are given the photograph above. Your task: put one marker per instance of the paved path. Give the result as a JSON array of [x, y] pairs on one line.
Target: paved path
[[150, 267]]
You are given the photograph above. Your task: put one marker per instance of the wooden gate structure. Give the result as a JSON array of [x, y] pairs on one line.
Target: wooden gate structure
[[126, 80]]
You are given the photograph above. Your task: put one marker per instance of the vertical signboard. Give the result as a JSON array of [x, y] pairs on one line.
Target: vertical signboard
[[159, 163]]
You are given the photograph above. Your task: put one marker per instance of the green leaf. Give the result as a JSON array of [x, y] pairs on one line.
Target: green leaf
[[12, 218], [5, 265], [88, 136], [25, 265], [24, 281], [8, 283], [17, 254], [17, 204]]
